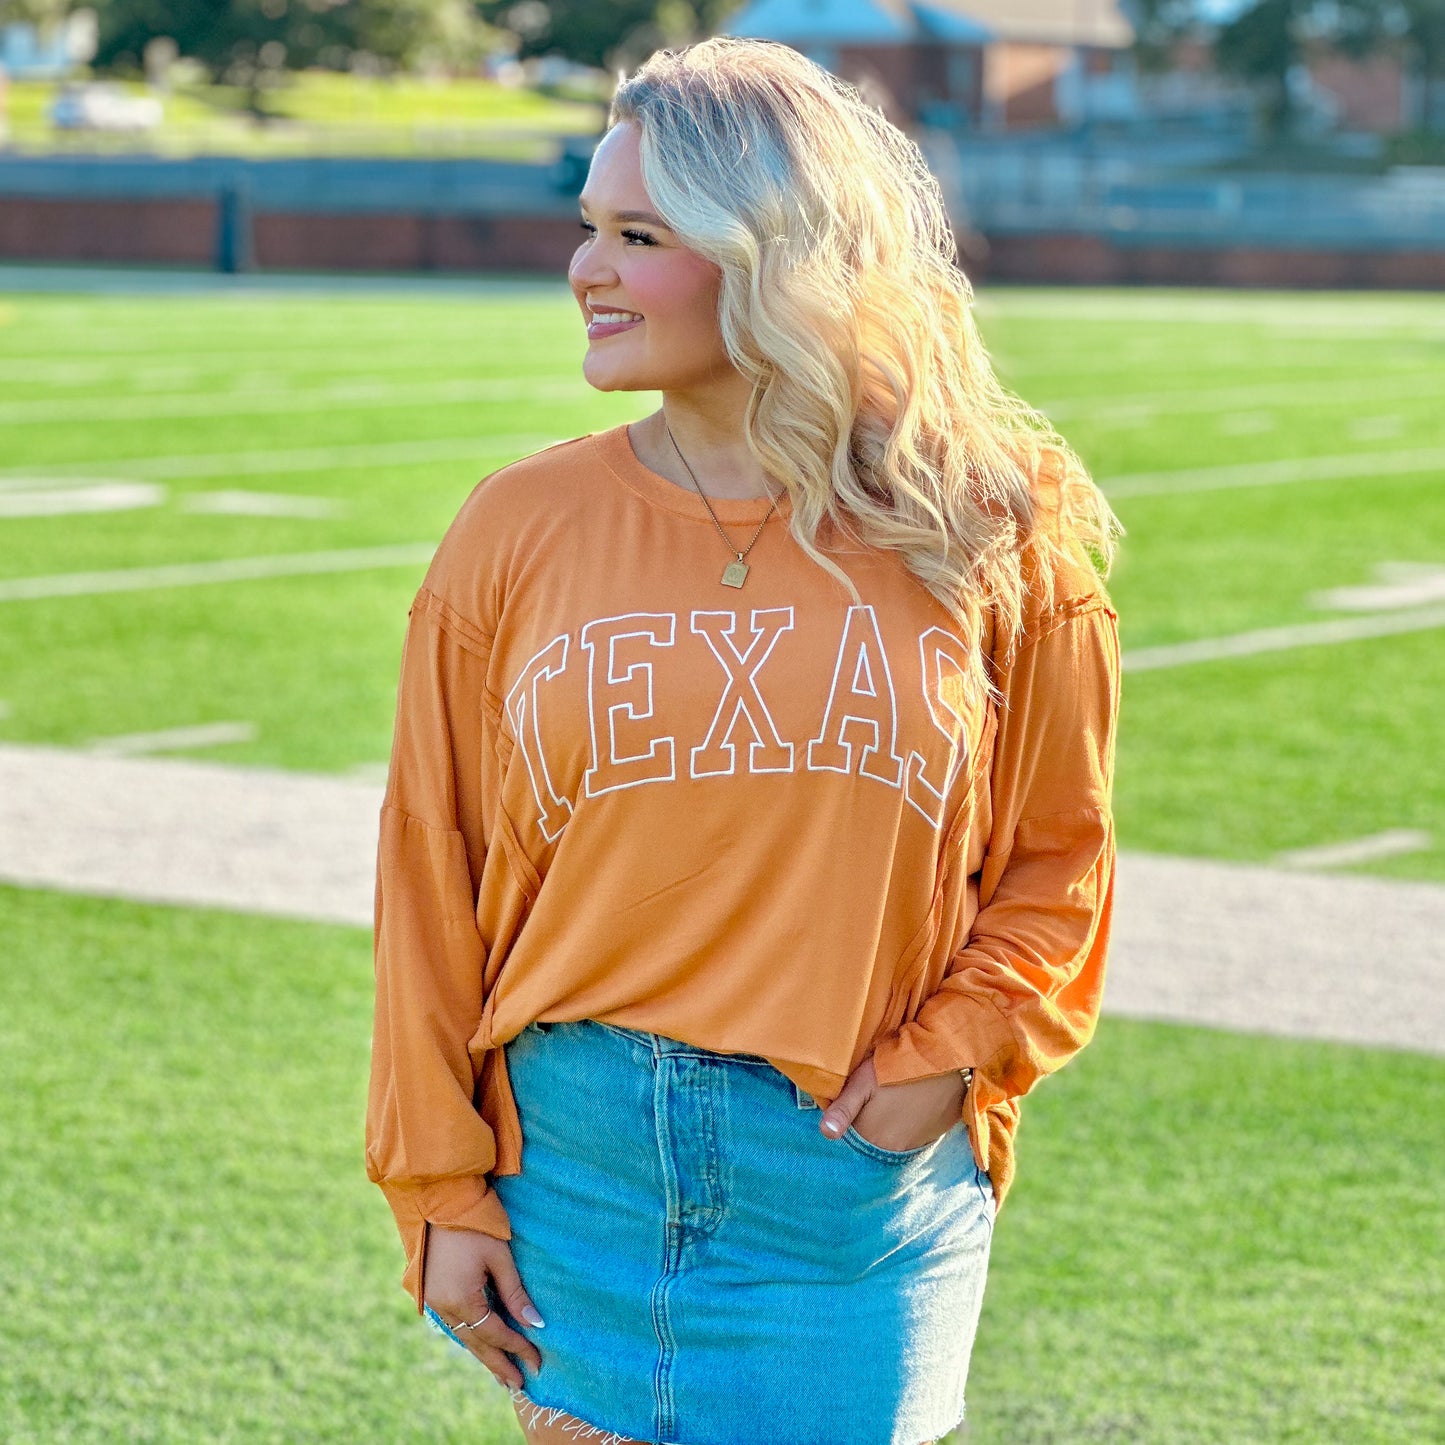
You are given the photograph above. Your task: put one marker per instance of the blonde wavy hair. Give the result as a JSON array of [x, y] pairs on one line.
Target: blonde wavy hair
[[873, 399]]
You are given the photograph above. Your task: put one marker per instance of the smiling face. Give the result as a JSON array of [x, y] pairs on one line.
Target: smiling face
[[629, 265]]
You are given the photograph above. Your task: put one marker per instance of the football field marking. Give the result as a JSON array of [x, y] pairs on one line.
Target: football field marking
[[1397, 584], [1277, 314], [349, 395], [262, 504], [1393, 843], [46, 499], [1348, 390], [217, 368], [267, 461], [1283, 639], [271, 460], [299, 564], [202, 735], [1247, 423], [1285, 472], [1376, 428], [231, 569]]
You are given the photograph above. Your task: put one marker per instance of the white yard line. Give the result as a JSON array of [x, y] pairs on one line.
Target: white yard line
[[1306, 314], [274, 460], [202, 735], [1265, 950], [271, 460], [262, 504], [1288, 470], [1393, 843], [230, 569], [343, 395], [218, 369], [1347, 390], [1283, 639]]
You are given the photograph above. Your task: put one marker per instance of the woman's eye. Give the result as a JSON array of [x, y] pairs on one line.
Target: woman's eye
[[640, 238]]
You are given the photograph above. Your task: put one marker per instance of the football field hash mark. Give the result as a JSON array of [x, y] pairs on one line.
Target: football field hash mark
[[47, 499], [1397, 584]]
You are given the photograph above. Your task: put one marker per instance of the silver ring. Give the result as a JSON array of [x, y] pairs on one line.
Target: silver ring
[[465, 1326]]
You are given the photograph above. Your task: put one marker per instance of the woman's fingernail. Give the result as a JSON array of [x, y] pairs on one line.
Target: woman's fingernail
[[532, 1317], [833, 1124]]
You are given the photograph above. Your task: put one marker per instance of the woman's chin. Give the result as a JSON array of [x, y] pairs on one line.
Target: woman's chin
[[608, 378]]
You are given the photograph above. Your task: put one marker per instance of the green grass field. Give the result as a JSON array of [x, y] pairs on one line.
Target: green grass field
[[1213, 1237], [324, 113]]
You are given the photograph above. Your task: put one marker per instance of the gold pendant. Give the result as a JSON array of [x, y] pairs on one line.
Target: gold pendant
[[735, 574]]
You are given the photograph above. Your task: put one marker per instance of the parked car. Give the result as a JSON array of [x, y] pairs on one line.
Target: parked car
[[104, 107]]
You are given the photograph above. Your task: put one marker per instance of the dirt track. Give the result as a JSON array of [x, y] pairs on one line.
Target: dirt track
[[1265, 950]]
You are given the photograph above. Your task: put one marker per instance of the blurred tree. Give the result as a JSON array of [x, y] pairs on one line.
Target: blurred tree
[[42, 14], [1270, 39], [605, 33], [1158, 25], [251, 42], [416, 33], [1421, 24]]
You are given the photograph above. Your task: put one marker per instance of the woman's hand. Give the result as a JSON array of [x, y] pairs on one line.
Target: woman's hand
[[459, 1263], [898, 1116]]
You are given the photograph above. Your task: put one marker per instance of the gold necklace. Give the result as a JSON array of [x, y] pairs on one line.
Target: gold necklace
[[735, 573]]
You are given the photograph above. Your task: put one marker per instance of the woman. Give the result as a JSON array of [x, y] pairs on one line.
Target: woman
[[751, 759]]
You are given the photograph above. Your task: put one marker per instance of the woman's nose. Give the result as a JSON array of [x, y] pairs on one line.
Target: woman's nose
[[589, 268]]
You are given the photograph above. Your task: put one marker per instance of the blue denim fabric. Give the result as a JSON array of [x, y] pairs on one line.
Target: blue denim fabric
[[714, 1270], [444, 1327]]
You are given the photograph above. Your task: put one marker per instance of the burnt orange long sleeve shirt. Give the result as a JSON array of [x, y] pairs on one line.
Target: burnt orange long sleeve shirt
[[765, 820]]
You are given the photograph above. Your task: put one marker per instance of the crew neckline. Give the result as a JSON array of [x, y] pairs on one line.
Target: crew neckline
[[617, 452]]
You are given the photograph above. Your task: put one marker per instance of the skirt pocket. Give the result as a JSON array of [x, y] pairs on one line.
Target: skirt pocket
[[867, 1147]]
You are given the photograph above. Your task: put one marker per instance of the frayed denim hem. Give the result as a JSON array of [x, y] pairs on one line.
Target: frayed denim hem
[[578, 1429]]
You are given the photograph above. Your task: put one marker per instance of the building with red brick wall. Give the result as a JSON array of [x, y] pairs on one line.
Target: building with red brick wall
[[988, 64]]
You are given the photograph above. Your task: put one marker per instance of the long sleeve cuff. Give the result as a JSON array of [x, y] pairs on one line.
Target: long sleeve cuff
[[462, 1203], [952, 1032]]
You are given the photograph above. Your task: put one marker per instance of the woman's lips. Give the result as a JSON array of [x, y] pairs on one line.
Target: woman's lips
[[598, 329]]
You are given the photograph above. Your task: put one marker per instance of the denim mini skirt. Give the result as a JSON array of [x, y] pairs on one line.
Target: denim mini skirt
[[714, 1270]]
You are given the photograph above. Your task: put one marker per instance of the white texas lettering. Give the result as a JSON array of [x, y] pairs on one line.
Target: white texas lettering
[[944, 673], [552, 811], [767, 752], [631, 684], [864, 710]]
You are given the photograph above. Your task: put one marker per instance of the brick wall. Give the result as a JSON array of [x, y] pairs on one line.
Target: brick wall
[[1097, 261], [51, 229], [184, 233]]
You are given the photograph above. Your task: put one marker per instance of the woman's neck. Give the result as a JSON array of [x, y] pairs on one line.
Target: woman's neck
[[711, 439]]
